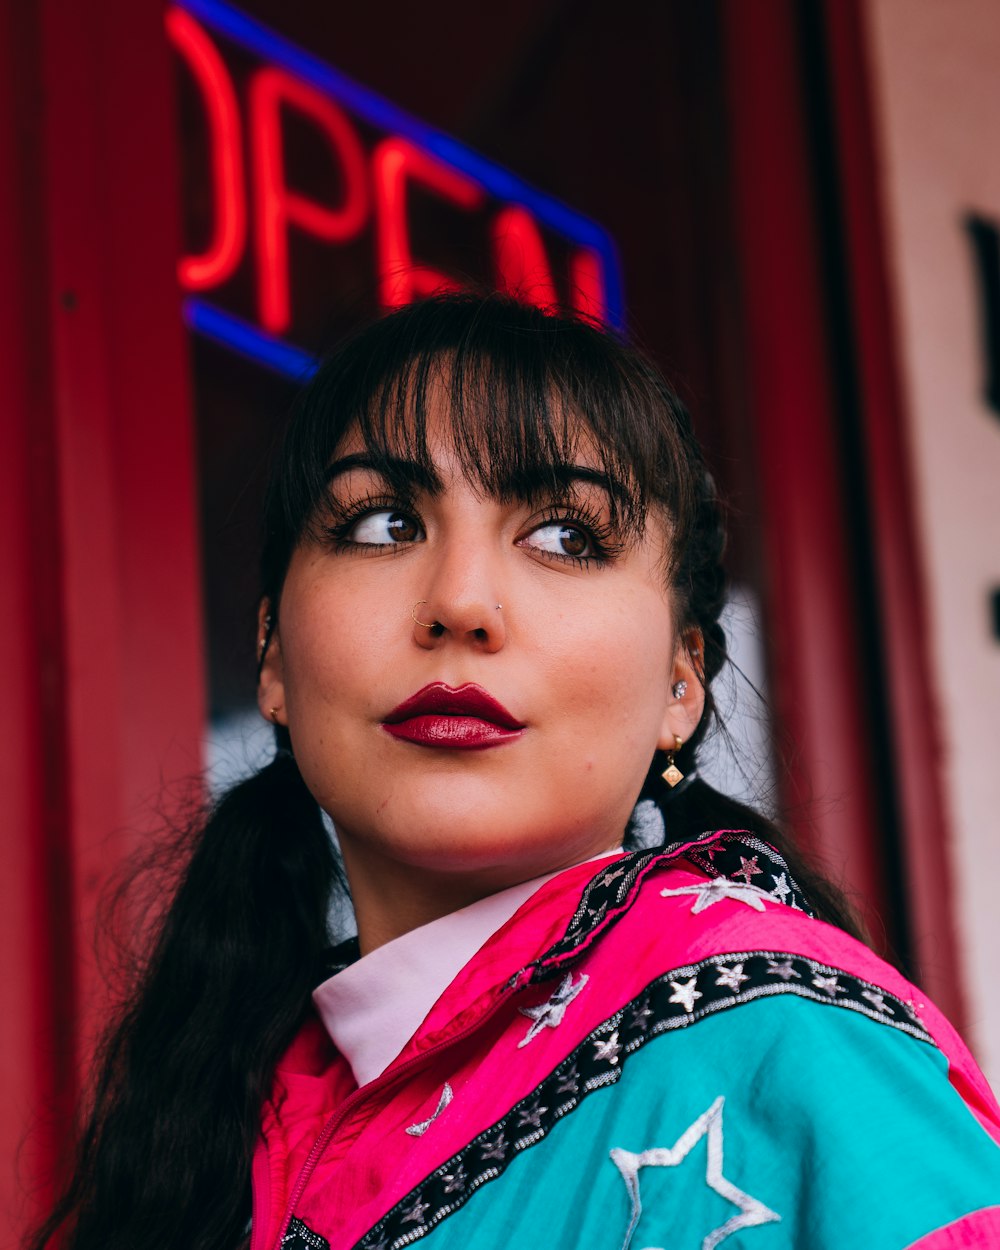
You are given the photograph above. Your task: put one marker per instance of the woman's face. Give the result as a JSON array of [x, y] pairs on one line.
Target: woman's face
[[540, 606]]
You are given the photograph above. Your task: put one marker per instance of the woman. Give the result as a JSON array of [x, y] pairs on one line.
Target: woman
[[591, 1002]]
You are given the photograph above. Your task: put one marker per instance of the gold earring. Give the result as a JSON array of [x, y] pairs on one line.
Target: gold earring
[[672, 774], [274, 715]]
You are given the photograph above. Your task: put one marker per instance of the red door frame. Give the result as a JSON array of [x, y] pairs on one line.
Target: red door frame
[[906, 646], [817, 669], [103, 634], [814, 635]]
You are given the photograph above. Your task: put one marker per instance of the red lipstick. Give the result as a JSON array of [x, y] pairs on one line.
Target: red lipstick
[[466, 718]]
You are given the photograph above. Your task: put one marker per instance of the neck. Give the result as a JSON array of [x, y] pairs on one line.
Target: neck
[[391, 898]]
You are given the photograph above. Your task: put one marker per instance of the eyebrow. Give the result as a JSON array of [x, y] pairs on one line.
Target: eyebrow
[[398, 472], [531, 482], [526, 483]]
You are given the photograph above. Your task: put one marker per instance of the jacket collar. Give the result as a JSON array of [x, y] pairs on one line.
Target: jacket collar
[[734, 853]]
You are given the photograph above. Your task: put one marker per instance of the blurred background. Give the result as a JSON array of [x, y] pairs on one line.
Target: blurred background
[[794, 205]]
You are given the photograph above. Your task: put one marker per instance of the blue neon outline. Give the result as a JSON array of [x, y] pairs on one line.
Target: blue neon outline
[[499, 182], [246, 340]]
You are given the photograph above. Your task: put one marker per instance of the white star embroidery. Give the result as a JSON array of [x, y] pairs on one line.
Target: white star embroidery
[[532, 1114], [782, 968], [732, 978], [781, 889], [608, 1049], [454, 1181], [495, 1149], [549, 1015], [752, 1212], [418, 1130], [569, 1082], [685, 993], [714, 891], [877, 1000], [828, 984], [415, 1211], [748, 868]]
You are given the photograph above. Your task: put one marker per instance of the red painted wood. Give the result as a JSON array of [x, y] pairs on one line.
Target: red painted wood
[[903, 602], [102, 631], [813, 633], [132, 647], [37, 1083]]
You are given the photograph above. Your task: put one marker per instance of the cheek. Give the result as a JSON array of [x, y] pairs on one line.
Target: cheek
[[620, 665], [327, 658]]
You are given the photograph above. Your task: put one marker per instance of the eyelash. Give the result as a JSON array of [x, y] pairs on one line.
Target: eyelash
[[349, 514], [602, 534]]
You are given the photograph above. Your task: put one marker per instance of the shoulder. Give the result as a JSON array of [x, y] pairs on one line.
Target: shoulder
[[829, 1078], [743, 950]]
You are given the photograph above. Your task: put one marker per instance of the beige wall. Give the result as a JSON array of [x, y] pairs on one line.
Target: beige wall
[[936, 87]]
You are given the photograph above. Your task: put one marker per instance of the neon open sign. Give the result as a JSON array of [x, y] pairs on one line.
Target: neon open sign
[[386, 174]]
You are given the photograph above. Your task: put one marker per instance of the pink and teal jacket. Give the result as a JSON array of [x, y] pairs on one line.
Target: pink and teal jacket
[[663, 1050]]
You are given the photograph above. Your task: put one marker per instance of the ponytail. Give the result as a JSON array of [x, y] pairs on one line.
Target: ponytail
[[164, 1157]]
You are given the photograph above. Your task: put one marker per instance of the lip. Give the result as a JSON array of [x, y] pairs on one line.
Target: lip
[[463, 718]]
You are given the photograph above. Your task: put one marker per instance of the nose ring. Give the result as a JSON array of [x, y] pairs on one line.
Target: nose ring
[[413, 614], [433, 624]]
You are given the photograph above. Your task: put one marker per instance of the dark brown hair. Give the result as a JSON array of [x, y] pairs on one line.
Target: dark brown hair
[[165, 1155]]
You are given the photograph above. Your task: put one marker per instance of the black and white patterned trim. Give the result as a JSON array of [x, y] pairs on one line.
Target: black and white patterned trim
[[300, 1237], [675, 1000], [606, 899], [733, 853], [741, 856]]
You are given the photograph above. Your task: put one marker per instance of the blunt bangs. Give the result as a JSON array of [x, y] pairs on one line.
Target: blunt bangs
[[527, 392]]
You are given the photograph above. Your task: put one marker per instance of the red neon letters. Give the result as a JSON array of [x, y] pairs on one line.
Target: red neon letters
[[277, 205], [222, 114], [394, 163], [361, 181], [522, 266]]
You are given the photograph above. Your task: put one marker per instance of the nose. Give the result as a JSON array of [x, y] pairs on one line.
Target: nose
[[463, 604]]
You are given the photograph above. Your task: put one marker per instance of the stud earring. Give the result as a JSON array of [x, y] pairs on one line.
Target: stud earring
[[265, 637], [679, 689], [274, 715], [672, 774]]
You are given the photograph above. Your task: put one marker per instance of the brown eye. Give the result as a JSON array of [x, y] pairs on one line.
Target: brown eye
[[384, 527], [561, 539], [574, 542], [403, 528]]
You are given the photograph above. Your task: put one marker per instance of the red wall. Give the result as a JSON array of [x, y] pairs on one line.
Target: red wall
[[100, 625]]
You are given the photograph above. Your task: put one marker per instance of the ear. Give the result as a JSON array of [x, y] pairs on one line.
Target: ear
[[681, 715], [271, 681]]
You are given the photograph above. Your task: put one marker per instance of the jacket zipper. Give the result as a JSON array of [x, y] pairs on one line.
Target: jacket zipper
[[359, 1095]]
